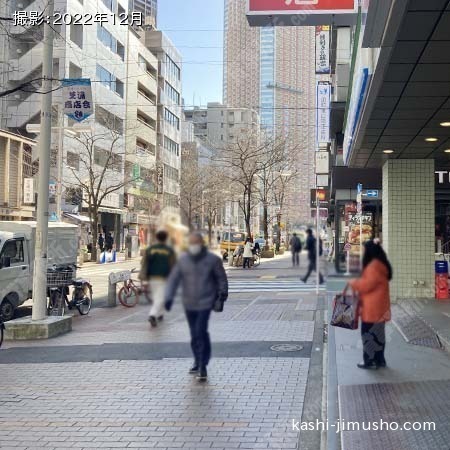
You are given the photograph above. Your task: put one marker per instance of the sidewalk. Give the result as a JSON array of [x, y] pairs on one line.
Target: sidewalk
[[414, 388], [114, 382]]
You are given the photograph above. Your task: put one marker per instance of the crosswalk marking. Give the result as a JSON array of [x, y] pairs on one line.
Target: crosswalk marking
[[242, 286]]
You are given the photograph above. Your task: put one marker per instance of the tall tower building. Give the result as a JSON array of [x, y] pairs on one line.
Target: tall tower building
[[272, 70], [148, 9]]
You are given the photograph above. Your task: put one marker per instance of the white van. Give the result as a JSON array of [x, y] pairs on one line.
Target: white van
[[17, 242]]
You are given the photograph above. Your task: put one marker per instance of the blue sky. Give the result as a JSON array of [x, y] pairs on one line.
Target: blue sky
[[202, 51]]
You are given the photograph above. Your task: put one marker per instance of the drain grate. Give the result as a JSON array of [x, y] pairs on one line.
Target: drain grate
[[286, 348], [414, 329]]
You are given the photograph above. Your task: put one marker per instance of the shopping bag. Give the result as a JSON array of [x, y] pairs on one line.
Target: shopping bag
[[345, 311]]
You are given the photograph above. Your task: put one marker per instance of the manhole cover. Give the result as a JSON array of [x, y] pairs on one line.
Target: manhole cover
[[286, 348]]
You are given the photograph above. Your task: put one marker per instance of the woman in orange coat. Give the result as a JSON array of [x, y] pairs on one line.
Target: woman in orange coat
[[375, 305]]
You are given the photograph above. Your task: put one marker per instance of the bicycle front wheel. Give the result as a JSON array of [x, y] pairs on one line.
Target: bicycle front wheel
[[84, 300], [128, 296]]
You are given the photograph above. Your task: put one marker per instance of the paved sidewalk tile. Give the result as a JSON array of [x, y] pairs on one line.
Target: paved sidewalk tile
[[247, 403]]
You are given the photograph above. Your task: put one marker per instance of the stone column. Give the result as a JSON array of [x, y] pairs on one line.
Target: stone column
[[408, 226]]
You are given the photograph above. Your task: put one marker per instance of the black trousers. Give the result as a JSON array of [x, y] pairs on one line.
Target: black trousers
[[295, 258], [312, 266], [246, 263], [374, 342], [200, 341]]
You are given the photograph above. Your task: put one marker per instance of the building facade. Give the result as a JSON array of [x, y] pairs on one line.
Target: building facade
[[272, 70], [168, 151], [148, 9]]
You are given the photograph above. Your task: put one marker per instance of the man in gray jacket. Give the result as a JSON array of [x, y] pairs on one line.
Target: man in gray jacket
[[204, 284]]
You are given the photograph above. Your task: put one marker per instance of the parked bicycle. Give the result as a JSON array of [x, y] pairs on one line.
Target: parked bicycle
[[131, 291], [59, 279]]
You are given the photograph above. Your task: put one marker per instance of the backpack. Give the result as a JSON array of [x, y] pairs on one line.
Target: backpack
[[297, 244]]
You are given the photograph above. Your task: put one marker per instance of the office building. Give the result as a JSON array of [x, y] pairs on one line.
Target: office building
[[272, 71]]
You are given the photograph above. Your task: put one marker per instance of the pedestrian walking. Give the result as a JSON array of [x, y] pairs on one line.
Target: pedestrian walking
[[109, 242], [89, 242], [101, 242], [248, 252], [375, 306], [311, 244], [157, 263], [204, 284], [296, 248]]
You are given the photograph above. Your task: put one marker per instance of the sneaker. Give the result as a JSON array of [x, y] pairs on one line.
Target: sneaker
[[194, 369], [381, 365], [202, 374], [152, 320], [371, 366], [303, 280], [160, 318]]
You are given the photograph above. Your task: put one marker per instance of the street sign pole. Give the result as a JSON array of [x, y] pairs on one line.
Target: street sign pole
[[317, 242], [360, 211]]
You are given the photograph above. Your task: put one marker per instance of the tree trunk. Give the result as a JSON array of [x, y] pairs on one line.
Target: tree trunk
[[94, 222], [278, 233], [210, 232], [266, 222], [248, 212]]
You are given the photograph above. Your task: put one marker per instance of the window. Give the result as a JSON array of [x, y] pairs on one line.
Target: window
[[75, 71], [171, 173], [173, 95], [110, 4], [108, 120], [143, 118], [76, 34], [171, 119], [14, 251], [73, 160], [144, 148], [74, 196], [109, 41], [172, 69], [110, 81], [145, 65], [147, 94], [171, 146], [106, 158]]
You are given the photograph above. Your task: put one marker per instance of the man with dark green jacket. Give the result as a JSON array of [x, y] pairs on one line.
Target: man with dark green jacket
[[157, 264]]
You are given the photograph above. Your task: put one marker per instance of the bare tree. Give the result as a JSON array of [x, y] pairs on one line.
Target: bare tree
[[100, 172], [190, 187], [241, 162], [268, 175]]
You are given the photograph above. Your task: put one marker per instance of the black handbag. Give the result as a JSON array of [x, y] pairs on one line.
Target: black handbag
[[345, 311]]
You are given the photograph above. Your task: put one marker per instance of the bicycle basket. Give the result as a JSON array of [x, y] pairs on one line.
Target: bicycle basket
[[58, 278]]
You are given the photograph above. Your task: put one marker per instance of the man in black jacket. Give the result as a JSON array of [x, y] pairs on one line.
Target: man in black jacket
[[296, 248], [157, 264], [205, 286], [311, 244]]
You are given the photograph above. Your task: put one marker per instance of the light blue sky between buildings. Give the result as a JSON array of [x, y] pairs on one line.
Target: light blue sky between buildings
[[185, 22]]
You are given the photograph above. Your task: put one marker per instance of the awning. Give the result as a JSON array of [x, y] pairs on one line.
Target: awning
[[110, 210], [77, 218]]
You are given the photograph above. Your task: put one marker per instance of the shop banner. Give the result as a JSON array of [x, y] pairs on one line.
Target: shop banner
[[323, 49], [77, 98], [28, 190], [323, 112], [303, 6]]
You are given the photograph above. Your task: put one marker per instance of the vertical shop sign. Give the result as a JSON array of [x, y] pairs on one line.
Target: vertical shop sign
[[323, 49], [323, 112]]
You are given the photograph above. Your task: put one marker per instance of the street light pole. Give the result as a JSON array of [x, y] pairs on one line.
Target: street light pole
[[42, 215]]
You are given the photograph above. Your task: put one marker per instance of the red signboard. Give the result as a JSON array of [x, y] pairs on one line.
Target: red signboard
[[302, 6]]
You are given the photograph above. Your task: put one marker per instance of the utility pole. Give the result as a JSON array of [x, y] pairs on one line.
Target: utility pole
[[45, 138]]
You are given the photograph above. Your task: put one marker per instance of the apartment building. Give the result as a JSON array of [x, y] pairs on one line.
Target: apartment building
[[125, 90], [148, 9], [168, 151], [140, 132]]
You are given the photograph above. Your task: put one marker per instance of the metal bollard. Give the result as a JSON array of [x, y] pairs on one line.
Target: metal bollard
[[112, 295]]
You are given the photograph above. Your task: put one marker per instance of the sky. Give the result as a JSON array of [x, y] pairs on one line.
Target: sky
[[202, 51]]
